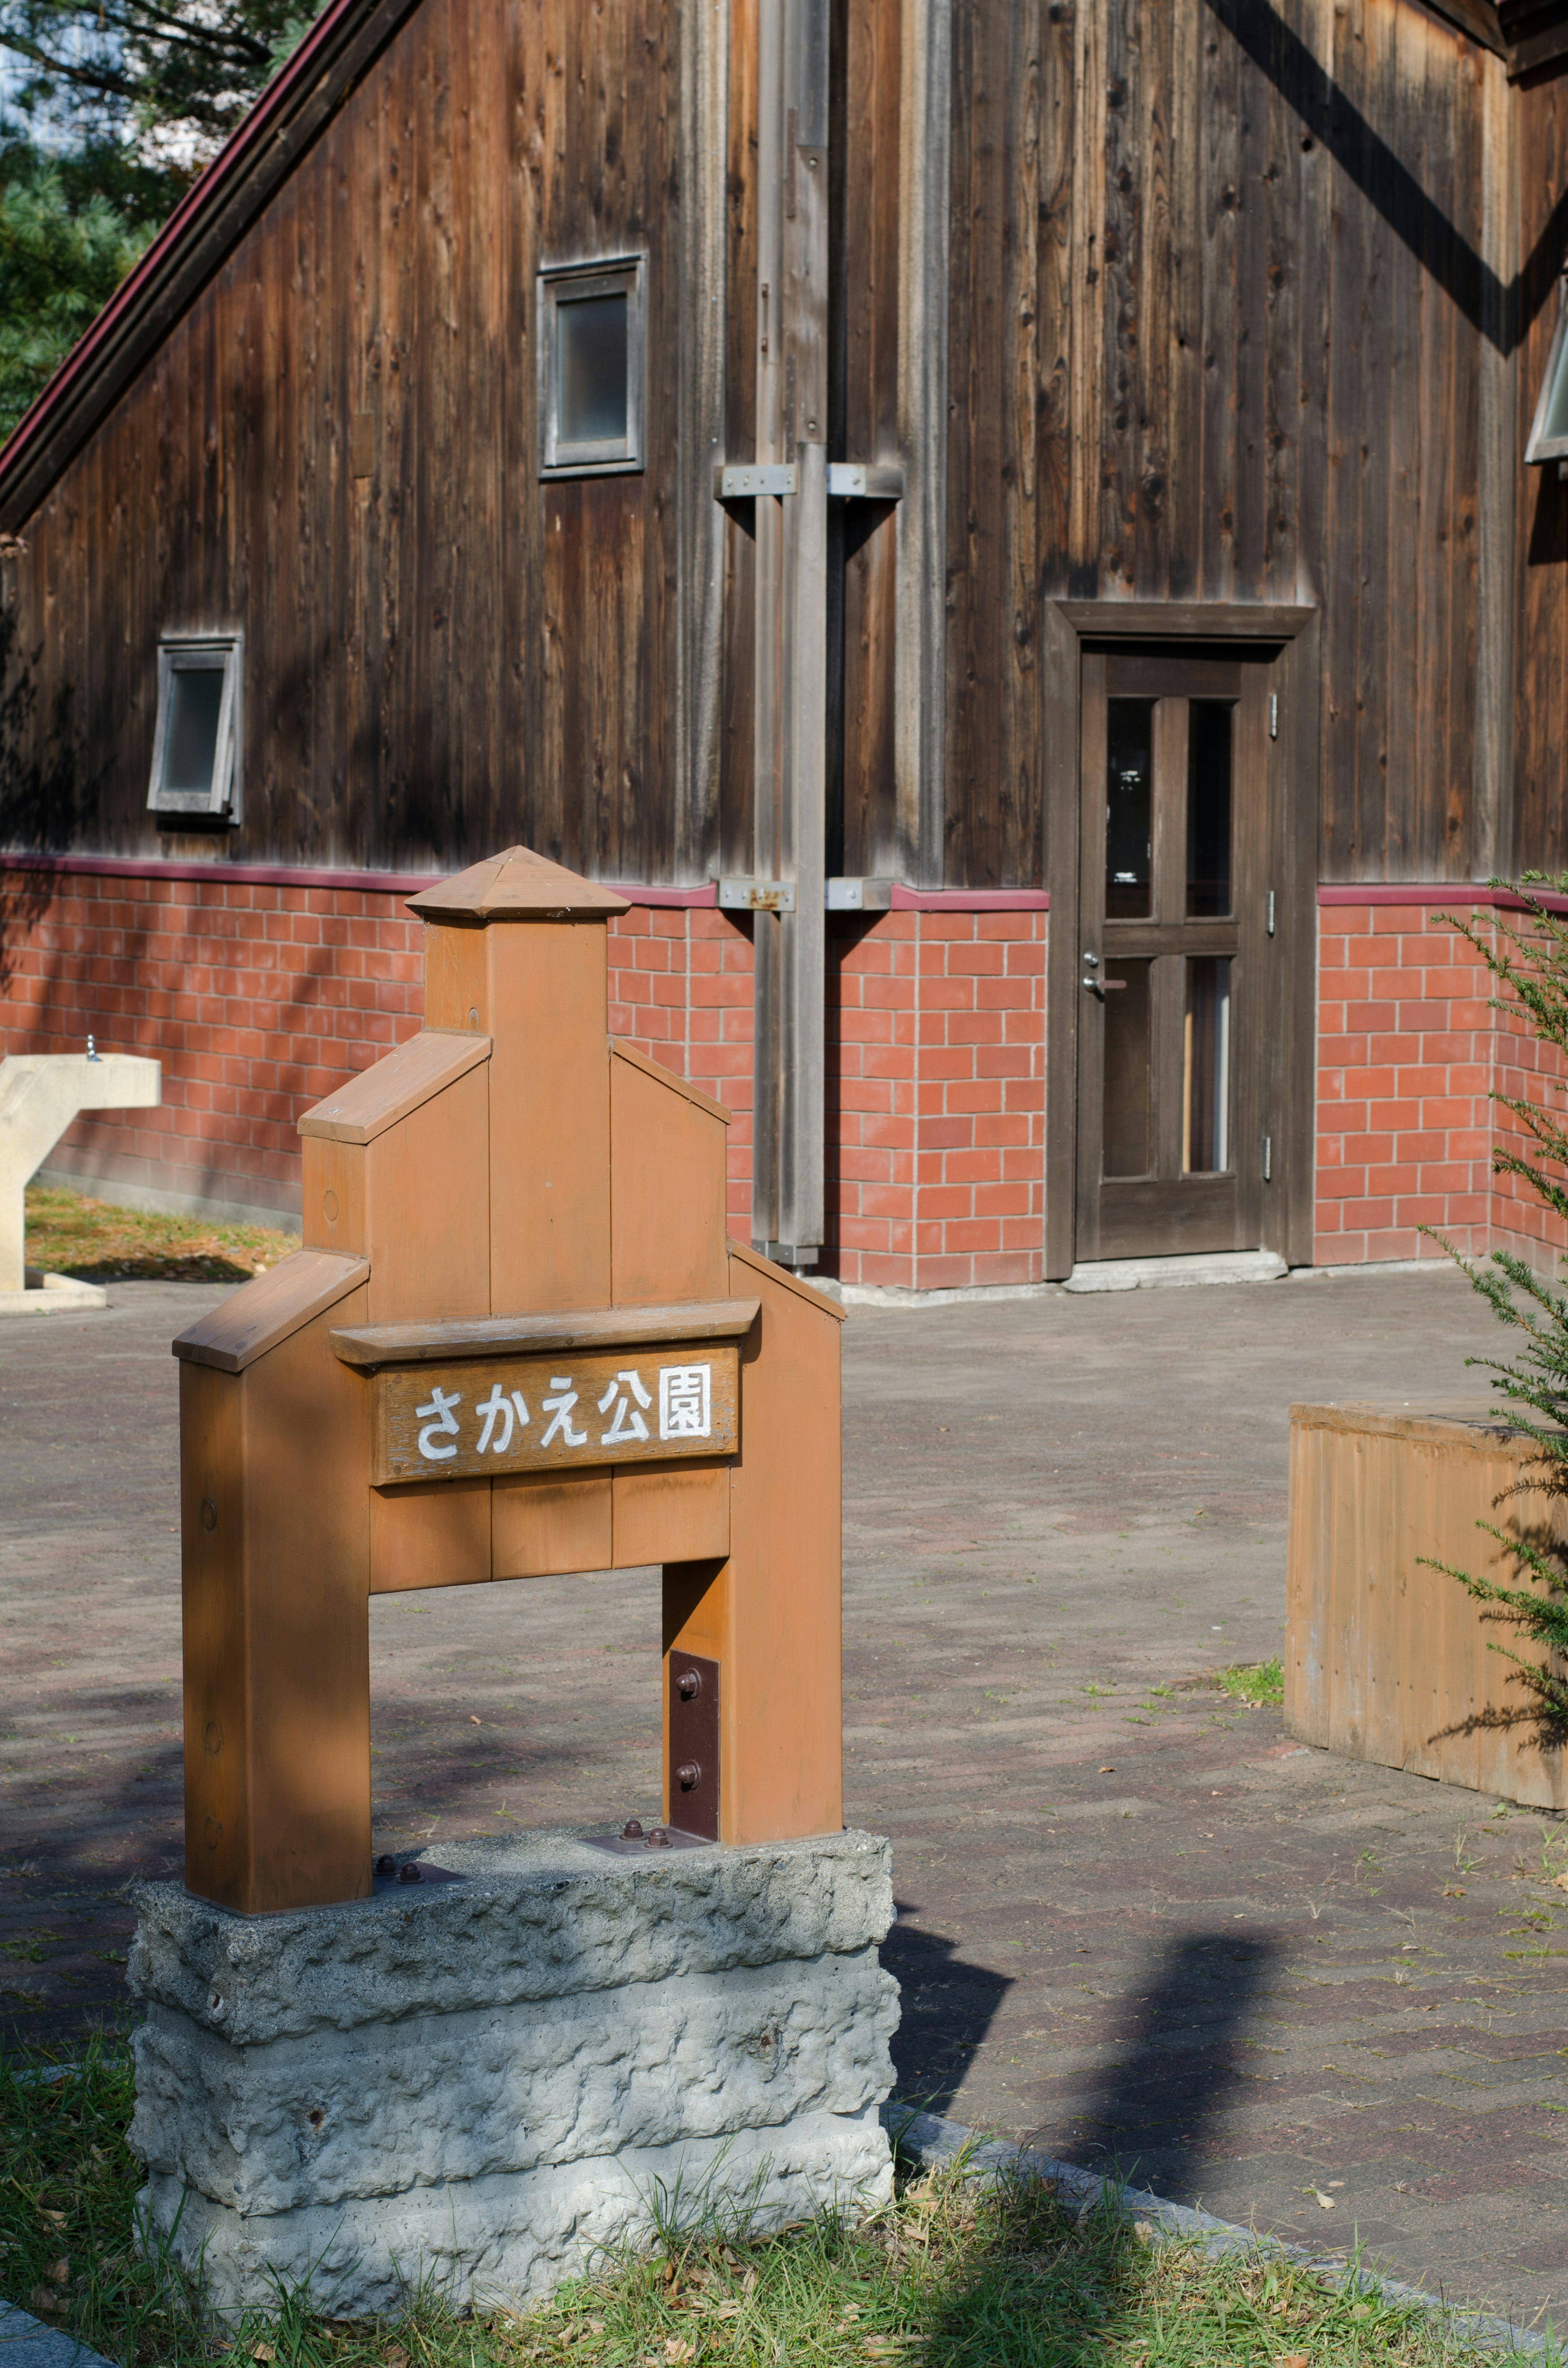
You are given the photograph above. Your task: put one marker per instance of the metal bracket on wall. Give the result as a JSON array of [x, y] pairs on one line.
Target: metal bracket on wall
[[735, 481], [858, 895], [757, 895], [848, 481], [865, 480]]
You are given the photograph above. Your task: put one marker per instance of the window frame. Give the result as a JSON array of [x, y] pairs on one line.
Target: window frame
[[1541, 447], [612, 275], [201, 653]]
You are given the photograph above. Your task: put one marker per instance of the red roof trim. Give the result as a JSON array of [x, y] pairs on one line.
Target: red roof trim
[[235, 152]]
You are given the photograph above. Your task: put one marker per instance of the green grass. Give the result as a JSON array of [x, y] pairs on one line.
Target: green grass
[[957, 2272], [67, 1233], [1256, 1683]]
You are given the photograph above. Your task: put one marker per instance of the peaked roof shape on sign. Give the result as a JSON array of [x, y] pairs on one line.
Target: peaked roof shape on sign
[[517, 885]]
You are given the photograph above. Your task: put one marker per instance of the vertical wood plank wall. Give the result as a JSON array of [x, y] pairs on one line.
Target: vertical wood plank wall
[[1215, 309], [445, 654], [1541, 810], [1215, 331]]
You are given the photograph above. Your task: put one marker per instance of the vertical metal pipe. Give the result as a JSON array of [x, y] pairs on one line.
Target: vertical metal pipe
[[791, 625]]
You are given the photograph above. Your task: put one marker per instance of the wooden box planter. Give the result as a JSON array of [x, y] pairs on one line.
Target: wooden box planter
[[1385, 1660]]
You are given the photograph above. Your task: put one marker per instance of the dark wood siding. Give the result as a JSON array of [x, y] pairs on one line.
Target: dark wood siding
[[1215, 306], [447, 655], [1540, 808]]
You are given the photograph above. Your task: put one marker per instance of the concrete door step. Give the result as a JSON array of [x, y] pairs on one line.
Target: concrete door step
[[54, 1294], [1206, 1266]]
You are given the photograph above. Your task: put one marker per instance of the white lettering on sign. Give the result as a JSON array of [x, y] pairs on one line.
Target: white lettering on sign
[[441, 1406], [499, 1409], [496, 1419], [628, 1422], [560, 1410], [685, 1396]]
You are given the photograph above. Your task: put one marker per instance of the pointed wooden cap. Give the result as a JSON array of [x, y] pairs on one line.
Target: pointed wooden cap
[[517, 885]]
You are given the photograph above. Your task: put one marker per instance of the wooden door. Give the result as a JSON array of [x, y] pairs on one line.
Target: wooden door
[[1178, 987]]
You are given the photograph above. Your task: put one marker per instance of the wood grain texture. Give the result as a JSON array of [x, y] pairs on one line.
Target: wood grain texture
[[1218, 283], [1386, 1660], [443, 655], [1242, 248], [275, 1627]]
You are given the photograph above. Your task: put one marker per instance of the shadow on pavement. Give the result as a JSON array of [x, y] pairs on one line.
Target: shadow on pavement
[[949, 2007], [1153, 2116]]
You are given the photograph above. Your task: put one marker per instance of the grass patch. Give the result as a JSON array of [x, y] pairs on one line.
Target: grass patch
[[955, 2273], [1256, 1683], [67, 1233]]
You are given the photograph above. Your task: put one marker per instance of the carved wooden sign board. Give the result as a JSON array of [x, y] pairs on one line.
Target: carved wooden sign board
[[578, 1371]]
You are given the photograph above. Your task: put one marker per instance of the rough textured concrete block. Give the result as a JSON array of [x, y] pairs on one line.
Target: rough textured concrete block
[[511, 2237], [481, 2082]]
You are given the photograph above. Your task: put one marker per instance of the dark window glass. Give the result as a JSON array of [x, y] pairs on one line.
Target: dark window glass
[[590, 342], [1208, 808], [1129, 835], [1205, 1129], [196, 696], [1126, 1109]]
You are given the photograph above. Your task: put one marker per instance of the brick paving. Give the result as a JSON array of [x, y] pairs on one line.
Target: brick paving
[[1137, 1924]]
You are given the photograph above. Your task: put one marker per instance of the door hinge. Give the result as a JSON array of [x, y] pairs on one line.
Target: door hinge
[[1274, 715], [1271, 919], [1269, 1158], [757, 895]]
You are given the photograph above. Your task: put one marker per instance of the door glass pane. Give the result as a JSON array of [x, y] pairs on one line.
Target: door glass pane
[[196, 699], [1208, 808], [591, 343], [1129, 807], [1125, 1118], [1206, 1100]]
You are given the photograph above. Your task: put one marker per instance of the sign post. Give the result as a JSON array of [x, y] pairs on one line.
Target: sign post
[[515, 1342]]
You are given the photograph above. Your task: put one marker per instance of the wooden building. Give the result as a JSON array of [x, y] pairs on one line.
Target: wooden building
[[1026, 536]]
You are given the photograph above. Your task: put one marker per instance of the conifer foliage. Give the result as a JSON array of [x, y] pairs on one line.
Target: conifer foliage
[[1528, 958]]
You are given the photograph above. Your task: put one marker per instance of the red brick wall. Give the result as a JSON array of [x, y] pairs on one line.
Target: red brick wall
[[256, 999], [259, 998], [936, 1069], [936, 1077], [1409, 1053], [680, 989]]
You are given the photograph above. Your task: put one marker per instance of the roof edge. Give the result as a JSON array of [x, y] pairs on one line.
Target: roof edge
[[194, 243]]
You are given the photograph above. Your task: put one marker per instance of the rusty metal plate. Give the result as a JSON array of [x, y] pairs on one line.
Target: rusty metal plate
[[693, 1731], [490, 1419], [394, 1874], [657, 1840]]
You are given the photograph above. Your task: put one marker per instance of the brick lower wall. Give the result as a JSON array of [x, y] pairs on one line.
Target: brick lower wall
[[1410, 1052], [680, 989], [936, 1089], [260, 998], [257, 999]]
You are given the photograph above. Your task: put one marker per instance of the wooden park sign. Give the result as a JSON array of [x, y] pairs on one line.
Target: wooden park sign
[[515, 1342]]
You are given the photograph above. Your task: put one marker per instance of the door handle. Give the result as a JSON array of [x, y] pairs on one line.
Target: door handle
[[1104, 987]]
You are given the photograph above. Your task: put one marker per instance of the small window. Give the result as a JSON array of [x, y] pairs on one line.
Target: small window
[[1549, 432], [196, 744], [590, 362]]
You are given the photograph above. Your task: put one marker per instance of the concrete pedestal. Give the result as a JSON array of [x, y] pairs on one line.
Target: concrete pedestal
[[478, 2083]]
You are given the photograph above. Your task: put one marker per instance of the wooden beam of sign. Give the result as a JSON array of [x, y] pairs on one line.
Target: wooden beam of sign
[[490, 1419]]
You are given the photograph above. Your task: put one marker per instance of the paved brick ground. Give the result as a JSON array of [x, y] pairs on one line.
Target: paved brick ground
[[1135, 1924]]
